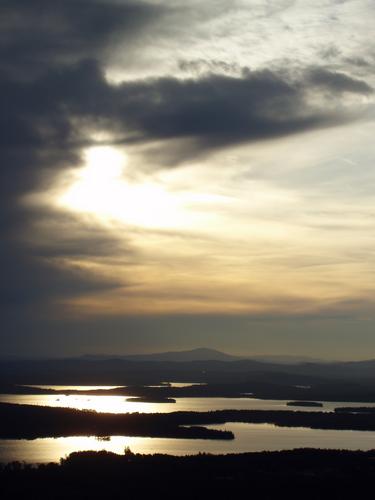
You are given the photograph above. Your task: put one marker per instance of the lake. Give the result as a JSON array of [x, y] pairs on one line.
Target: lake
[[248, 437], [118, 404]]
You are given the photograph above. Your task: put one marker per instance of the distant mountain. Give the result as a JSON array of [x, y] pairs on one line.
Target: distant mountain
[[206, 354], [200, 354], [355, 379]]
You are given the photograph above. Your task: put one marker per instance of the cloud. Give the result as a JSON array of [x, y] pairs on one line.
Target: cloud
[[45, 122], [205, 66], [214, 109], [358, 61], [54, 94], [339, 82], [40, 33], [41, 40], [28, 280]]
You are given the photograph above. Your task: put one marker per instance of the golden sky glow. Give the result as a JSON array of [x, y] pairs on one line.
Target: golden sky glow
[[253, 241]]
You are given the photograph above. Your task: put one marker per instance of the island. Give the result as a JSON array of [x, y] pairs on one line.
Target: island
[[314, 404], [30, 422], [150, 400]]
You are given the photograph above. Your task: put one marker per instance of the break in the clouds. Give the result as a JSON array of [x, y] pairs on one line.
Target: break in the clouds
[[174, 160]]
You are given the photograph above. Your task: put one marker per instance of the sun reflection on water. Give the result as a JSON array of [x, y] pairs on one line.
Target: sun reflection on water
[[75, 387], [101, 404], [248, 437]]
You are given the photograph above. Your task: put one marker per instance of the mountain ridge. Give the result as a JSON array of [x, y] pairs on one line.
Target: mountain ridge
[[206, 354], [197, 354]]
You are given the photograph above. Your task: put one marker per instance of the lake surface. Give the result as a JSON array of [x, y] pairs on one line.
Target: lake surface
[[107, 387], [248, 437], [118, 404], [75, 387]]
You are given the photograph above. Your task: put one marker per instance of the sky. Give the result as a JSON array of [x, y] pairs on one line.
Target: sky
[[179, 174]]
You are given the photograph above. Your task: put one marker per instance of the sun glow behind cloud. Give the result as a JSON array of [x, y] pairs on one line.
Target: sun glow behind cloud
[[253, 241], [101, 188]]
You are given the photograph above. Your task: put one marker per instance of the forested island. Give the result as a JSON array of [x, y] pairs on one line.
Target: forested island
[[150, 400], [28, 422], [312, 404]]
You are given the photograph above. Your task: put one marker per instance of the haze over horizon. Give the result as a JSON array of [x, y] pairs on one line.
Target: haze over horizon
[[198, 353], [183, 174]]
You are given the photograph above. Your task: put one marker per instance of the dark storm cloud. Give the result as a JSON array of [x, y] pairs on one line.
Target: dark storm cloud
[[39, 40], [40, 117], [64, 235], [26, 280], [214, 110], [40, 33], [339, 82]]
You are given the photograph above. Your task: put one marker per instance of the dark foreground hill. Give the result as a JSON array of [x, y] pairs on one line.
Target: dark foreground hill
[[308, 474]]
